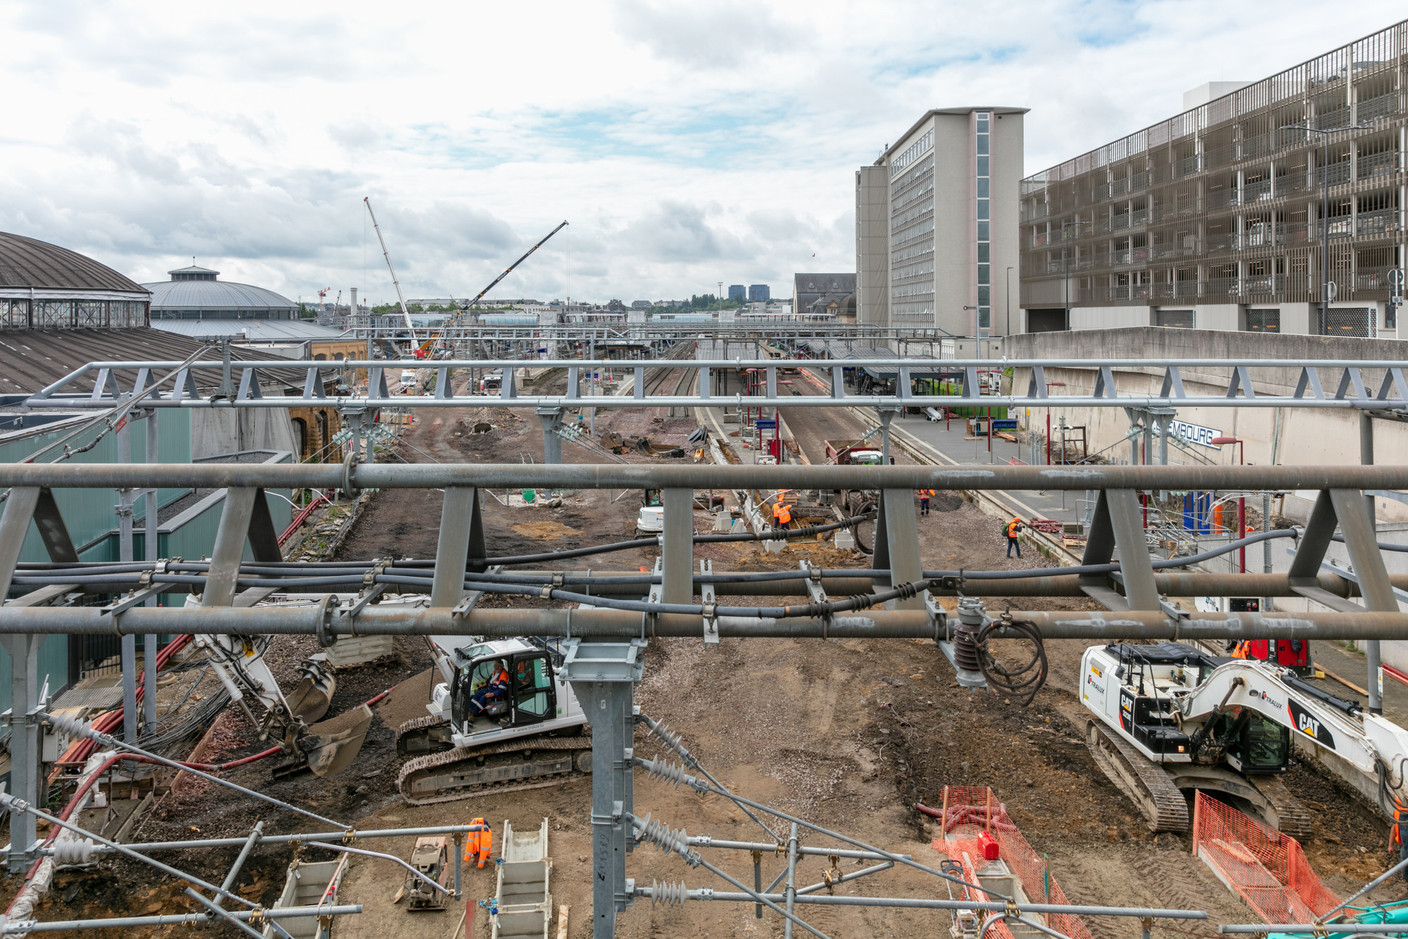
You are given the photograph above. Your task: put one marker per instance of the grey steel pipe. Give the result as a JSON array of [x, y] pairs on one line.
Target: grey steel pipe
[[182, 919], [249, 844], [11, 802], [790, 891], [922, 904], [846, 878], [303, 838], [1312, 928], [705, 841], [217, 911], [618, 624], [698, 477]]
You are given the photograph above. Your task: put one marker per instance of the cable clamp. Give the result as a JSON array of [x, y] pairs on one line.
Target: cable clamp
[[711, 624], [1010, 910], [546, 592], [349, 836], [558, 579]]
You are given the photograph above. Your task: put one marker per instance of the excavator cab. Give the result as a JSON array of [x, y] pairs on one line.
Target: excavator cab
[[531, 697], [1259, 746]]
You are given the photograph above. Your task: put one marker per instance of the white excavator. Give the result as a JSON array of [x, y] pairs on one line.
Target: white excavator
[[532, 736], [1170, 718], [323, 748]]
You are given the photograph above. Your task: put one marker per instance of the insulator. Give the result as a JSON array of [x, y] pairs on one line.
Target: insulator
[[666, 735], [667, 839], [667, 770], [70, 726], [965, 648], [73, 851], [664, 893]]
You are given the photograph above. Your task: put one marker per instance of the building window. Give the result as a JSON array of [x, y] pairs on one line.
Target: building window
[[1354, 322], [1174, 319], [983, 226], [1263, 321]]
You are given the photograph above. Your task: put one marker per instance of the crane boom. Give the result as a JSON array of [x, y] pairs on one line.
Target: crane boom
[[509, 271], [404, 312]]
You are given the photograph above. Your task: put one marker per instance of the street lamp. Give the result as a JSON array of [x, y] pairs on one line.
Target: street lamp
[[1241, 500], [1325, 209]]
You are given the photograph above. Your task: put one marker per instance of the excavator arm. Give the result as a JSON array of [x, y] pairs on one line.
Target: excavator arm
[[1367, 741]]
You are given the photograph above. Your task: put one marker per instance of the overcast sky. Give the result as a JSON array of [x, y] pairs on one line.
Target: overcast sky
[[687, 143]]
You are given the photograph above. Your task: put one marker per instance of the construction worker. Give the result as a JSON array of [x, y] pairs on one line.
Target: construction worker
[[924, 496], [491, 692], [783, 515], [1014, 528], [479, 844]]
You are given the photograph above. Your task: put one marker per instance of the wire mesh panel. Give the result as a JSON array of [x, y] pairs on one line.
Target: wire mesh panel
[[1263, 866]]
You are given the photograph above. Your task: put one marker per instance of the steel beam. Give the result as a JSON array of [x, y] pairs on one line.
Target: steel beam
[[677, 546], [14, 525], [551, 419], [901, 534], [603, 676], [460, 527], [1357, 523], [380, 620], [25, 747], [1351, 392], [700, 476]]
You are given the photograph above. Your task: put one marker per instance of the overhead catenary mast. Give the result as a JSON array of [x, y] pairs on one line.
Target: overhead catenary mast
[[404, 312]]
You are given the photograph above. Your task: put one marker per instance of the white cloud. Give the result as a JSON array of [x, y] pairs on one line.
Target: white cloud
[[687, 144]]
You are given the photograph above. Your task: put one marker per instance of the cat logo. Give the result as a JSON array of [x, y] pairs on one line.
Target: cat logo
[[1310, 725]]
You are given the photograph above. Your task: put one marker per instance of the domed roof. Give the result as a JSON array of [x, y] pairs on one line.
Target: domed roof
[[196, 288], [28, 262]]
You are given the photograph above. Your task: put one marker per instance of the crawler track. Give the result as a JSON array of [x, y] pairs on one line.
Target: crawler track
[[1145, 783], [505, 767]]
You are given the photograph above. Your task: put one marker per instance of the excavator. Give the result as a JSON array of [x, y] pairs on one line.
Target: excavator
[[1169, 718], [323, 748], [535, 736]]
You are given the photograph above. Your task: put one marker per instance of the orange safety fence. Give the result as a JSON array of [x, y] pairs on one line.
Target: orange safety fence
[[979, 807], [1261, 865]]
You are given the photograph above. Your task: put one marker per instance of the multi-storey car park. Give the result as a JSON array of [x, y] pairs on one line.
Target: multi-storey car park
[[1220, 217]]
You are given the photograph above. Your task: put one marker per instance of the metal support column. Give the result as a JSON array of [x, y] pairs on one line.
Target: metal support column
[[677, 551], [902, 540], [551, 419], [1372, 653], [603, 676], [461, 538], [1117, 525], [151, 538], [128, 644], [886, 415], [1359, 537], [24, 745]]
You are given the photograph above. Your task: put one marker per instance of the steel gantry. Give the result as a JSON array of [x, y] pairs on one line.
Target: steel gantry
[[1369, 385], [609, 640]]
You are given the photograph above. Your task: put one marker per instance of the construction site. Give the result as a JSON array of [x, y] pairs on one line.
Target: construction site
[[529, 666]]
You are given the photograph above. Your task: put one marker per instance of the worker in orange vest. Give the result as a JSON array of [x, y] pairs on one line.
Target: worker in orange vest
[[924, 496], [478, 845], [781, 515], [1014, 528]]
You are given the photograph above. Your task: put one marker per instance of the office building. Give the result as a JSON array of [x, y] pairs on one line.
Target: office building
[[1218, 217], [759, 293], [936, 224], [737, 292]]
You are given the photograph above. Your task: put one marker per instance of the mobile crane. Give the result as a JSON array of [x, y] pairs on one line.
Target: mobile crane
[[1169, 718]]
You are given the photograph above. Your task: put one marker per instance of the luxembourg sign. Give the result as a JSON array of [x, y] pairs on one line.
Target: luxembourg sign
[[1193, 433]]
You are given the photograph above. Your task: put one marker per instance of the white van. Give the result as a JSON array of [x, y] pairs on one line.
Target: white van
[[408, 377]]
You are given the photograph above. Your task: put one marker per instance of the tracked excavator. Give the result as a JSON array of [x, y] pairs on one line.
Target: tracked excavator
[[1169, 718], [533, 736]]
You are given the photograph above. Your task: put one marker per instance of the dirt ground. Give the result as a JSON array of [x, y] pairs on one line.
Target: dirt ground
[[846, 734]]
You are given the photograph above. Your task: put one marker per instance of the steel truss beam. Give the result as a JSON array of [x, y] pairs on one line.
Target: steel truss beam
[[1368, 385]]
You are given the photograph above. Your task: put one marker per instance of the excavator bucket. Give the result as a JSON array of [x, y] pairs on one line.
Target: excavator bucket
[[332, 745], [309, 701]]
